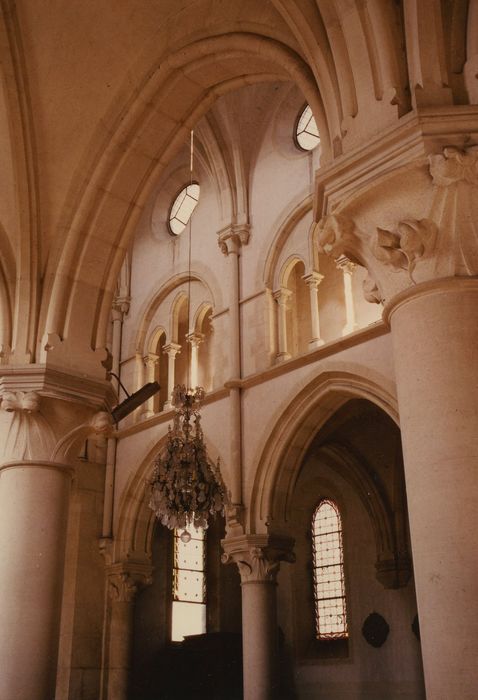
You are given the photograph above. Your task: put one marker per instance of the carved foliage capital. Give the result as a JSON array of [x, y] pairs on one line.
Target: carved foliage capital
[[454, 166], [233, 237], [441, 243], [28, 401], [172, 349], [124, 584], [258, 557]]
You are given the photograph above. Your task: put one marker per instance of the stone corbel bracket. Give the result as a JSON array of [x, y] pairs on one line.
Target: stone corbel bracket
[[67, 447]]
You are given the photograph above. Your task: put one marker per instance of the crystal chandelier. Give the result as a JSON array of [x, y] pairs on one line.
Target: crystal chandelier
[[187, 488]]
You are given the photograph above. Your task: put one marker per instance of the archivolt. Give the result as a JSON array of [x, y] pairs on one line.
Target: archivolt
[[288, 441], [145, 136], [153, 304]]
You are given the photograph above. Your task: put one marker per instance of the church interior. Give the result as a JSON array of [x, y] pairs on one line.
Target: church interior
[[246, 231]]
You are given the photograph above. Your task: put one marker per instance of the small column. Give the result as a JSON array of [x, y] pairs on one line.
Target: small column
[[195, 340], [171, 351], [258, 558], [312, 281], [348, 267], [231, 240], [282, 297], [151, 363], [119, 309], [123, 585]]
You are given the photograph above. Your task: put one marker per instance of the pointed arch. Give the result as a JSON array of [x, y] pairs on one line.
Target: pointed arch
[[289, 438], [105, 208]]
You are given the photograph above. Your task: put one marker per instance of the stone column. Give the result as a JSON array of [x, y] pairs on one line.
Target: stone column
[[33, 521], [171, 351], [124, 582], [282, 297], [348, 267], [425, 268], [195, 340], [312, 281], [151, 362], [435, 341], [35, 476], [258, 558], [230, 241]]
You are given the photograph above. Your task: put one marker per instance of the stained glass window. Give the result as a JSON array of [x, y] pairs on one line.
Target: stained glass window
[[329, 586], [182, 208], [189, 585], [306, 133]]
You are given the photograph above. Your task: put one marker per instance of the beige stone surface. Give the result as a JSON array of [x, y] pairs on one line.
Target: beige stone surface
[[275, 306]]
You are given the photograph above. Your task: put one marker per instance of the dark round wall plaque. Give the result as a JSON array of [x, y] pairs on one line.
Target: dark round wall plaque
[[375, 630]]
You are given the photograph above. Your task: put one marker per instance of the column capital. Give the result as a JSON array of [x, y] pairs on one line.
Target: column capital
[[121, 306], [282, 296], [125, 580], [172, 349], [195, 339], [258, 557], [151, 359], [313, 279], [347, 266], [45, 425], [232, 238], [410, 226]]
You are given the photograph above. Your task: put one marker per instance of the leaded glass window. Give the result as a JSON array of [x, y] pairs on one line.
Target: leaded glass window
[[328, 562], [189, 585], [183, 207], [307, 134]]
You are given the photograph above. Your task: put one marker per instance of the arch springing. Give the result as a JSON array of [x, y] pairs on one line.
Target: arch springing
[[328, 565]]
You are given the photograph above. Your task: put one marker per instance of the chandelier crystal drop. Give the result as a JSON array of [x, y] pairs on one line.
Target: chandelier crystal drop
[[187, 488]]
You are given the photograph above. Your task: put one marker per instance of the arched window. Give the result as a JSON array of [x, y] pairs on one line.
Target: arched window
[[189, 585], [328, 562]]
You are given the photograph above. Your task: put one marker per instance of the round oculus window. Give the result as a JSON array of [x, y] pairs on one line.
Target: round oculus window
[[182, 208], [306, 133]]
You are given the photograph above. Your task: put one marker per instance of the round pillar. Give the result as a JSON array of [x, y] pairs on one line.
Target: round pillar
[[123, 585], [33, 522], [435, 341], [259, 639], [258, 558]]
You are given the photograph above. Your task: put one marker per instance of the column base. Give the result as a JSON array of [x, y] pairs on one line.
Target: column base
[[283, 356]]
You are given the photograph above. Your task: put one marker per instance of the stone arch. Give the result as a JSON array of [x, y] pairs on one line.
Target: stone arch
[[23, 262], [115, 185], [200, 315], [155, 337], [284, 228], [291, 435], [288, 267], [176, 308], [166, 287]]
